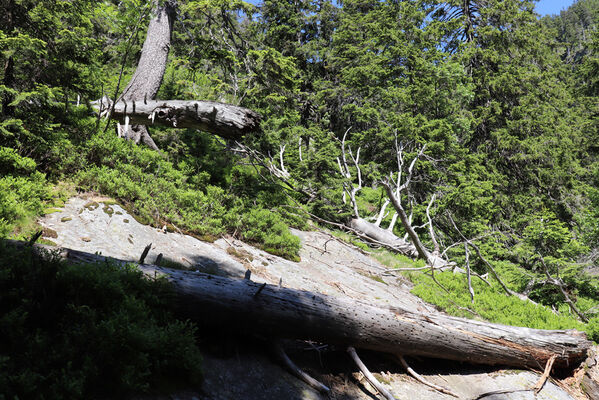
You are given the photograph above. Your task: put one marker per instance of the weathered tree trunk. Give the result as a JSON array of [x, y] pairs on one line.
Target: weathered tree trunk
[[590, 380], [228, 121], [383, 236], [281, 312], [146, 80], [390, 240]]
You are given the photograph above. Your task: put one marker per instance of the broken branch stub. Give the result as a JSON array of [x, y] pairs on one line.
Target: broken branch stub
[[225, 120]]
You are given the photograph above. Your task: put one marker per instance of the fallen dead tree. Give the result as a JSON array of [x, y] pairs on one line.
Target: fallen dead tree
[[225, 120], [276, 311]]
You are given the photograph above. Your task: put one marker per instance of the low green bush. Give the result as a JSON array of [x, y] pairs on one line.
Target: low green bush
[[21, 197], [492, 304], [86, 331], [159, 192], [270, 232]]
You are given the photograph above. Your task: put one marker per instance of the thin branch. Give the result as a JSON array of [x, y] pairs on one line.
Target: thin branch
[[373, 381], [483, 259], [295, 370], [467, 262], [537, 388], [345, 172], [471, 240], [430, 226], [422, 252], [382, 213], [420, 379], [560, 285], [124, 61]]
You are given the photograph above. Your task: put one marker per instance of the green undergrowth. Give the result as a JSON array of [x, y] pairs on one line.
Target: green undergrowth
[[158, 191], [490, 302], [21, 199], [88, 331]]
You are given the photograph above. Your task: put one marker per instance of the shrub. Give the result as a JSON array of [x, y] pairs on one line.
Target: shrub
[[158, 192], [21, 198], [266, 228], [77, 331]]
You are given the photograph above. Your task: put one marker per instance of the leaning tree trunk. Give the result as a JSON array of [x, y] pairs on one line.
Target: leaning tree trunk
[[146, 80], [275, 311]]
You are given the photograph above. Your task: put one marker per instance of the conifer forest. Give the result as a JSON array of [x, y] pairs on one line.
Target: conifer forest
[[456, 141]]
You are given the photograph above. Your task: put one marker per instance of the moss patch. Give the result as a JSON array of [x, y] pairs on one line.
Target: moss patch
[[108, 210], [376, 278], [239, 253], [91, 206], [48, 232], [170, 263]]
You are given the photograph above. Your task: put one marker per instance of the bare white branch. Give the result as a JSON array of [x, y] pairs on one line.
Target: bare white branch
[[373, 381], [382, 213], [349, 188]]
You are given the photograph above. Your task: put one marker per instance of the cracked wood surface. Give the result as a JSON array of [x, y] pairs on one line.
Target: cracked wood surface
[[225, 120], [283, 312]]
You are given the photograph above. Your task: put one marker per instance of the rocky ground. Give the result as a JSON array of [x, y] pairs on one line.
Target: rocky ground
[[245, 368]]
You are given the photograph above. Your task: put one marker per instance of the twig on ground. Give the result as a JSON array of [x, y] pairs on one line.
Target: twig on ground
[[420, 379], [373, 381], [295, 370], [537, 388]]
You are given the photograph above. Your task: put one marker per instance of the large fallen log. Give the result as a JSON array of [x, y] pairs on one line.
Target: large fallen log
[[225, 120], [275, 311]]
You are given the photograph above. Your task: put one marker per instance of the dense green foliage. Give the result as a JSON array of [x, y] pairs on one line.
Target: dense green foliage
[[505, 102], [491, 303], [72, 331]]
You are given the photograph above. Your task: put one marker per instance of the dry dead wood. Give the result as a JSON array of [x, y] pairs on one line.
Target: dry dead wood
[[371, 378], [225, 120], [220, 302]]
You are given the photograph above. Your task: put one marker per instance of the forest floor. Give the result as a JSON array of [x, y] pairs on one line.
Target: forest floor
[[245, 368]]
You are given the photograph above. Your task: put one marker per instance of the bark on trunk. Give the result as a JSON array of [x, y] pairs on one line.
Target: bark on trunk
[[228, 121], [146, 80], [281, 312]]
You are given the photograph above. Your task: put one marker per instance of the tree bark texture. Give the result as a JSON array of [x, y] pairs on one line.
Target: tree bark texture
[[147, 78], [271, 310], [225, 120]]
